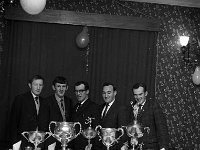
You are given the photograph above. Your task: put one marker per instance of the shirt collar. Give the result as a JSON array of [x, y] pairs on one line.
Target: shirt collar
[[34, 95], [58, 98], [83, 101], [110, 104], [143, 103]]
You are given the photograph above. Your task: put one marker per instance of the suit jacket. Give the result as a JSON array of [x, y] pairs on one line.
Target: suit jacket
[[87, 109], [23, 117], [116, 117], [50, 111], [152, 118]]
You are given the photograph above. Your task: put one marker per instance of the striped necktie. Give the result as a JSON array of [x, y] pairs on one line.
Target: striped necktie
[[62, 105], [78, 106]]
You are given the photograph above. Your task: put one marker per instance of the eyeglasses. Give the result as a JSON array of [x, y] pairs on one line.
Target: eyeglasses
[[79, 91]]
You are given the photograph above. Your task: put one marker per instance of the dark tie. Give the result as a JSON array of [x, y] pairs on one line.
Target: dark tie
[[78, 106], [37, 100], [140, 109], [62, 105], [37, 104], [105, 110]]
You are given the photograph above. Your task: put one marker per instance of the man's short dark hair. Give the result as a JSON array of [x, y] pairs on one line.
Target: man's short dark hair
[[140, 84], [108, 83], [61, 80], [82, 82], [35, 77]]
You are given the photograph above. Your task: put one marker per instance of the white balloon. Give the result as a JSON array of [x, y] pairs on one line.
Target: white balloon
[[33, 7], [196, 76]]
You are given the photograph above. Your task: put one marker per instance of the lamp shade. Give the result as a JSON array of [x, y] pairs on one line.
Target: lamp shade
[[184, 40], [33, 7]]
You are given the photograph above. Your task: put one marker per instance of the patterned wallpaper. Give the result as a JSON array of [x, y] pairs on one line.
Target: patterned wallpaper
[[175, 91]]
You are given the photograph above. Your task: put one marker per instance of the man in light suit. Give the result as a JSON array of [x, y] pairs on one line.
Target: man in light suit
[[152, 119], [56, 107], [25, 111], [82, 110], [115, 115]]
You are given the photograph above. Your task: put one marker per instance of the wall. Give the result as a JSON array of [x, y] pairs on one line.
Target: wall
[[177, 95]]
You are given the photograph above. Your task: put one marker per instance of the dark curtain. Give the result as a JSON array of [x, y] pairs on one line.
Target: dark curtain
[[122, 57]]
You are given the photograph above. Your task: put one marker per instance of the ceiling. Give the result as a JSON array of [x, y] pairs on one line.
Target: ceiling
[[186, 3]]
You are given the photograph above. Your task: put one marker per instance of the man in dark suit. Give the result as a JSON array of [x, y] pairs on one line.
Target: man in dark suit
[[25, 111], [152, 120], [82, 110], [56, 107], [113, 114]]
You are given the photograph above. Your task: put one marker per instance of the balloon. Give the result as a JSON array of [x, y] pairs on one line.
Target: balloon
[[33, 7], [196, 76], [82, 39]]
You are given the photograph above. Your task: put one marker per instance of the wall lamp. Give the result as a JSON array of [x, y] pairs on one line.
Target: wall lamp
[[191, 56], [190, 50]]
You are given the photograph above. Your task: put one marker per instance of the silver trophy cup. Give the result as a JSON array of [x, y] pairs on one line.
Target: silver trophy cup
[[134, 131], [36, 137], [64, 132], [89, 133], [108, 135]]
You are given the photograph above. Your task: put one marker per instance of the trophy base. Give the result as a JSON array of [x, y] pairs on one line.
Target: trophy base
[[31, 148]]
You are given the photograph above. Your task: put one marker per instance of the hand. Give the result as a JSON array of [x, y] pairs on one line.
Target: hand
[[88, 147]]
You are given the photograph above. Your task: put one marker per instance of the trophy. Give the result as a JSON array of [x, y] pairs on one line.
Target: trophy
[[134, 131], [108, 135], [64, 132], [36, 137], [89, 133]]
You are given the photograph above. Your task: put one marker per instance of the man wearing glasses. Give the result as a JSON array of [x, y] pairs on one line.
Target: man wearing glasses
[[82, 110]]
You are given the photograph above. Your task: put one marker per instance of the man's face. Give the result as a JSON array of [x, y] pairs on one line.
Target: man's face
[[140, 95], [81, 93], [59, 89], [36, 86], [108, 93]]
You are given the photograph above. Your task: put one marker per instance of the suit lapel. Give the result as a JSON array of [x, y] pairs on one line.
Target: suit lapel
[[32, 103], [66, 106], [110, 111], [82, 107], [144, 109], [56, 106]]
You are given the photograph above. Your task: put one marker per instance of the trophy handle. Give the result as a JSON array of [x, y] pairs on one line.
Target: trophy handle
[[122, 133], [77, 123], [96, 129], [49, 134], [52, 122], [24, 134]]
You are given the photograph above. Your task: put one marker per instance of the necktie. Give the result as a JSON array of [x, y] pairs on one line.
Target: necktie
[[78, 106], [62, 105], [37, 103], [140, 109], [36, 99], [105, 110]]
